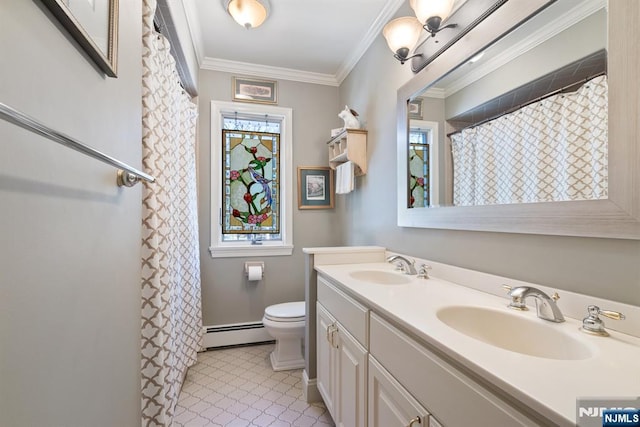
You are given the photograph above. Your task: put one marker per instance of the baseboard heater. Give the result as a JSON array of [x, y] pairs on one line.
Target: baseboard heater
[[235, 334]]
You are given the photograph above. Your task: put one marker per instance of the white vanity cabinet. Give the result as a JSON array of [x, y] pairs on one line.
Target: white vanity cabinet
[[370, 372], [390, 404], [450, 394], [326, 358], [342, 332]]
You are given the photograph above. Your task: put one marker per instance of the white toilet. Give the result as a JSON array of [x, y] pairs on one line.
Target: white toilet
[[285, 322]]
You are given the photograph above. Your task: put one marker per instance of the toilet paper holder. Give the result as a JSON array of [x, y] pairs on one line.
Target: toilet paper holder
[[253, 264]]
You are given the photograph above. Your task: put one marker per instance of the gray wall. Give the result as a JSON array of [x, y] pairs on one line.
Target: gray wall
[[70, 251], [227, 297], [607, 268], [578, 41]]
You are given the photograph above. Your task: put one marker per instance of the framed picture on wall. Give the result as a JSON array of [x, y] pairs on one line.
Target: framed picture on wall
[[256, 91], [315, 187], [94, 25], [415, 109]]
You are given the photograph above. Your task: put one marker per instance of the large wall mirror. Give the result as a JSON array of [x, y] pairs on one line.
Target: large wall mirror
[[527, 125]]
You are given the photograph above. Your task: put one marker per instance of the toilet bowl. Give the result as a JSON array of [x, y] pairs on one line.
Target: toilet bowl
[[285, 322]]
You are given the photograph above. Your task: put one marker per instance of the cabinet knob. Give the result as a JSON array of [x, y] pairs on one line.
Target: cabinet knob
[[414, 421]]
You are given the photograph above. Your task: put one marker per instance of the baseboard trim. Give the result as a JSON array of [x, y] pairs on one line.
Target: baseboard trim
[[235, 334], [310, 388]]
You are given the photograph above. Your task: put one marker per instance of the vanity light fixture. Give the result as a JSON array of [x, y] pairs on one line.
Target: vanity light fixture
[[248, 13], [402, 34]]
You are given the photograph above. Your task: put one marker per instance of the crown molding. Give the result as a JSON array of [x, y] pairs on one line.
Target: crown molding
[[544, 33], [268, 71], [389, 10], [194, 29], [245, 68]]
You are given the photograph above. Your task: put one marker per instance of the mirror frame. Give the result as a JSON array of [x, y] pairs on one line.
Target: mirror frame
[[616, 217]]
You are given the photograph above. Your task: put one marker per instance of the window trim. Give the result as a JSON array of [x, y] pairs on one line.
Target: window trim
[[218, 248]]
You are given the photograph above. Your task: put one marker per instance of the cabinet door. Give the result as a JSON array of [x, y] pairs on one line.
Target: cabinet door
[[390, 405], [433, 422], [352, 381], [326, 358]]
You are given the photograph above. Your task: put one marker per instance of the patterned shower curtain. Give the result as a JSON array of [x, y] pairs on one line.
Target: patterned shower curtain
[[171, 304], [552, 150]]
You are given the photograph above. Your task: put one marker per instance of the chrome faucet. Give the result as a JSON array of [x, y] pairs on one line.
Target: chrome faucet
[[403, 264], [546, 306]]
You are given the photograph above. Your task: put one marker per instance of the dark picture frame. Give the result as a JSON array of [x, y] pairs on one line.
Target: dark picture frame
[[315, 187]]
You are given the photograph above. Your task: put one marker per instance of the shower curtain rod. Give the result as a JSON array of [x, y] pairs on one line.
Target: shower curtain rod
[[555, 92], [128, 176]]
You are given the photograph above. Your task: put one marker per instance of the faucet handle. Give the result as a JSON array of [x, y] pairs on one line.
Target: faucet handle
[[399, 266], [615, 315], [423, 272], [517, 300], [592, 324]]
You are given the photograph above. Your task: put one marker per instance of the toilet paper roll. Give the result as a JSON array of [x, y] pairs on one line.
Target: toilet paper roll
[[254, 272]]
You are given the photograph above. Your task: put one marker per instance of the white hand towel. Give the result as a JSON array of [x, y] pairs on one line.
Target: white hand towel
[[345, 178], [351, 178]]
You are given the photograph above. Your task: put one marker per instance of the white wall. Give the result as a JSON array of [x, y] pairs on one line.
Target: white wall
[[227, 297], [606, 268], [70, 239]]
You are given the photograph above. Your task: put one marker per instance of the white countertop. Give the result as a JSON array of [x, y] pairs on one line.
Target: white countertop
[[548, 386]]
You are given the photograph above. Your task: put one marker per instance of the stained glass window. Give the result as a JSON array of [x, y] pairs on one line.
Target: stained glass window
[[251, 180], [418, 169]]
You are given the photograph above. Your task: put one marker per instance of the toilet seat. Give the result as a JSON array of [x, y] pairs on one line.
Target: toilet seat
[[286, 312]]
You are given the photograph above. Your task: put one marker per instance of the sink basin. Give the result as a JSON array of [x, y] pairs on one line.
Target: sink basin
[[513, 332], [380, 277]]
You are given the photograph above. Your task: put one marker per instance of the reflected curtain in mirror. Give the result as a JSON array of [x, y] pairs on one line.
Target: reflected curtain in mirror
[[552, 150]]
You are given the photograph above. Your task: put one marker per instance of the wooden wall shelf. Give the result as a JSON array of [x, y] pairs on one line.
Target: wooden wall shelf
[[349, 145]]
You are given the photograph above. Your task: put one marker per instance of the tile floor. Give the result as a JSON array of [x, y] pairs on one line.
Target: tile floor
[[237, 387]]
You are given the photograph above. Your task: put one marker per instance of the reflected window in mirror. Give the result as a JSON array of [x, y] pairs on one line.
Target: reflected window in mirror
[[419, 167], [423, 158]]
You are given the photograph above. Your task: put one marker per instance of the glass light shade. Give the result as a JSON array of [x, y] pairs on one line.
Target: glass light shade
[[248, 13], [402, 33], [425, 9]]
